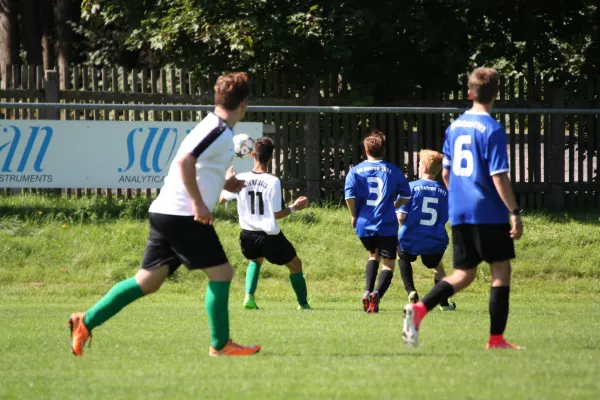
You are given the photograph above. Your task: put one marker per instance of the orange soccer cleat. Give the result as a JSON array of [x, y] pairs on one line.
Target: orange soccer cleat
[[366, 302], [233, 349], [79, 333], [500, 343]]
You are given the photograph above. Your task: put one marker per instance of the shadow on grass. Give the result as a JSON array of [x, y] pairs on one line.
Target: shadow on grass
[[590, 217]]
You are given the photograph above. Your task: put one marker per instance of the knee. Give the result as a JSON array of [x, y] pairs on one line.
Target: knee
[[295, 266], [389, 264]]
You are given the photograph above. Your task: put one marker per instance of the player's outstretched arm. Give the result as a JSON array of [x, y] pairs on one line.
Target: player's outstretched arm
[[299, 204], [504, 188]]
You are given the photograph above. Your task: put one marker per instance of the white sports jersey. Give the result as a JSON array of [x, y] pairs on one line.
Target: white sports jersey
[[211, 142], [258, 202]]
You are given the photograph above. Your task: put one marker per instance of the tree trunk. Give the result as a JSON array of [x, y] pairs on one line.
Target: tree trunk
[[31, 32], [46, 17], [63, 12], [9, 32]]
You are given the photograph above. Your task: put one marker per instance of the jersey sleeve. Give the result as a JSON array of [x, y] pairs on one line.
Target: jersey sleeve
[[447, 162], [403, 187], [497, 157], [349, 187], [277, 201], [403, 209], [228, 196], [196, 145]]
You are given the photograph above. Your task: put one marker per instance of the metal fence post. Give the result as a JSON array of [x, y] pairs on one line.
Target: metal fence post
[[51, 88], [557, 168], [312, 147]]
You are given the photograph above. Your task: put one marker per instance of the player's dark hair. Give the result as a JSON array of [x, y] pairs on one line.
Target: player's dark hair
[[483, 84], [231, 90], [263, 149], [375, 143]]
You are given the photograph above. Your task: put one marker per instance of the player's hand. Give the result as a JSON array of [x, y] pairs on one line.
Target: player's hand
[[233, 184], [516, 230], [353, 222], [301, 203], [202, 214]]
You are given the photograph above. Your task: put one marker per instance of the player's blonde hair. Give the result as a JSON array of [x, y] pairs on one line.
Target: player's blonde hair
[[433, 160]]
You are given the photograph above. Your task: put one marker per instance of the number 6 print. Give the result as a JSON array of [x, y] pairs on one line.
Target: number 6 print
[[461, 154]]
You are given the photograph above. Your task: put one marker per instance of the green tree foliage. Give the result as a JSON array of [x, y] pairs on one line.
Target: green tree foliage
[[382, 50]]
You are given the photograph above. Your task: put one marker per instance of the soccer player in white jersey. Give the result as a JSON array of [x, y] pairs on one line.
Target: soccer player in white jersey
[[181, 225], [259, 206], [480, 202]]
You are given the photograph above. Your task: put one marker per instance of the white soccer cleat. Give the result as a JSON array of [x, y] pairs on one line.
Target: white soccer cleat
[[410, 332]]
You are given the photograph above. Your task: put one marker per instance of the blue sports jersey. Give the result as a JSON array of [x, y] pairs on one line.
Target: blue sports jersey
[[474, 151], [424, 230], [375, 185]]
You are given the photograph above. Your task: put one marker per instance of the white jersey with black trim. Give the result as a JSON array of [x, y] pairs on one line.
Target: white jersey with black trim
[[211, 142], [258, 202]]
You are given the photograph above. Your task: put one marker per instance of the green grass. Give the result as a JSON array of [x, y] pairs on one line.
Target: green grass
[[65, 258]]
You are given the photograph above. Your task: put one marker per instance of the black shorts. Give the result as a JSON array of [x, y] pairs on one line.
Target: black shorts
[[386, 244], [429, 260], [473, 244], [176, 240], [275, 248]]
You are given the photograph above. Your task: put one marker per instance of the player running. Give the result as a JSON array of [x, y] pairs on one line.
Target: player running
[[370, 190], [181, 225], [423, 226], [480, 201], [259, 206]]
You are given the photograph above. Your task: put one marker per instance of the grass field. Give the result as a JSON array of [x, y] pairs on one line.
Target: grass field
[[61, 255]]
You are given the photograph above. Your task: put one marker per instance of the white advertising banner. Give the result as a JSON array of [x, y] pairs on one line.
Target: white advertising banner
[[95, 154]]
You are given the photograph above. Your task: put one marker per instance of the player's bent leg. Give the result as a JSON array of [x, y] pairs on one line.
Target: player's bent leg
[[217, 308], [252, 274], [298, 283], [119, 296], [371, 270], [385, 279], [439, 274], [414, 313], [499, 305]]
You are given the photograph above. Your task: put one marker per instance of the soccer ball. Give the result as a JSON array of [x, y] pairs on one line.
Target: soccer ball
[[242, 145]]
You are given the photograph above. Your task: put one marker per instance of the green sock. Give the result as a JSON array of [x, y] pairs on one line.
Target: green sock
[[120, 295], [299, 286], [217, 308], [252, 277]]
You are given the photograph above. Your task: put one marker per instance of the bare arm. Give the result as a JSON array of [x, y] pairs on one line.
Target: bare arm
[[400, 202], [187, 171], [446, 177], [401, 218], [351, 203], [504, 188], [299, 204]]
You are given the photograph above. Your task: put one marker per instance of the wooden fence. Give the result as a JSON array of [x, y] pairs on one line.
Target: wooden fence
[[553, 158]]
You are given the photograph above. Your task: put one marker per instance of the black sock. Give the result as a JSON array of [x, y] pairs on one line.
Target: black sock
[[443, 303], [498, 309], [371, 274], [406, 273], [385, 279], [441, 291]]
